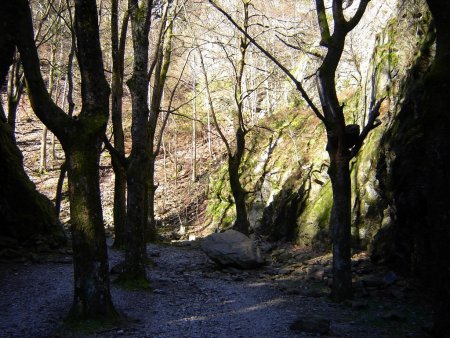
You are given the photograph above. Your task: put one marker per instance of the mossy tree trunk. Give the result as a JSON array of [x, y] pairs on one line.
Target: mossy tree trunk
[[138, 161], [151, 234], [235, 160], [242, 224], [91, 277], [81, 140], [436, 103], [120, 179]]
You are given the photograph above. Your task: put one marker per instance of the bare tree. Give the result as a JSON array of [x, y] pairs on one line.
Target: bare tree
[[118, 54], [138, 161], [161, 63], [235, 150], [81, 140], [343, 141]]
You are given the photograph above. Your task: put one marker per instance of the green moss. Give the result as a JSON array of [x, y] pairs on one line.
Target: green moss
[[313, 222]]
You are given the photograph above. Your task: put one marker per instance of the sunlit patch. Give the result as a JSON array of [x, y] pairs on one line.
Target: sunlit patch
[[257, 307]]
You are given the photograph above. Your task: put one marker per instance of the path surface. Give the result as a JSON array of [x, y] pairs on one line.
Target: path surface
[[190, 298]]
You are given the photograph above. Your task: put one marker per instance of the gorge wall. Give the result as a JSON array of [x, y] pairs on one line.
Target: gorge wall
[[286, 174]]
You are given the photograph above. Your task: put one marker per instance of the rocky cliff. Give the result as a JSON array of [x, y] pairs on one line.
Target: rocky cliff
[[285, 169]]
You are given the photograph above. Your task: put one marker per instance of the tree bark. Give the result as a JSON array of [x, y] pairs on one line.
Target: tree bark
[[151, 232], [337, 147], [138, 165], [118, 51], [242, 224], [91, 275], [194, 131], [81, 140], [340, 226]]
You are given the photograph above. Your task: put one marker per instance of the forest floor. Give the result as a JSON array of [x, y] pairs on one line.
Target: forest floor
[[190, 296]]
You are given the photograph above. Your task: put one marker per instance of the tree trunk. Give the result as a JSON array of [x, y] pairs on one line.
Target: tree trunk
[[120, 179], [151, 219], [59, 187], [81, 140], [242, 224], [234, 162], [194, 131], [91, 275], [135, 244], [138, 166], [340, 219], [340, 226], [120, 204], [161, 67], [43, 157]]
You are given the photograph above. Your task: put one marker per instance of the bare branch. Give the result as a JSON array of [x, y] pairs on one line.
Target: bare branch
[[114, 152], [323, 23], [166, 118], [338, 14], [160, 39], [211, 106], [303, 50], [291, 76], [358, 15]]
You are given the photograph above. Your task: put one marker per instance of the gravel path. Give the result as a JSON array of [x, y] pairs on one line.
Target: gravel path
[[190, 298]]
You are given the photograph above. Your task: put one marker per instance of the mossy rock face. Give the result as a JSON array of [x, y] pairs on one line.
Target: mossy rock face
[[294, 200], [404, 241], [279, 217], [25, 213], [313, 222]]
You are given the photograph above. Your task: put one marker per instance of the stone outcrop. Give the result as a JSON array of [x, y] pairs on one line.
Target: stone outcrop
[[25, 214]]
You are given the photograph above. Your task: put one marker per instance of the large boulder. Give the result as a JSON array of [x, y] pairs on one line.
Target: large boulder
[[232, 248]]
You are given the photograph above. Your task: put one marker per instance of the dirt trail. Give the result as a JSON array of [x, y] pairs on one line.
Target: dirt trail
[[190, 297]]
